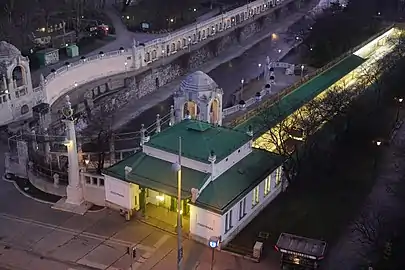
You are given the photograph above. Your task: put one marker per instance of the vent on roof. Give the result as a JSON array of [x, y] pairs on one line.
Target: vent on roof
[[198, 126]]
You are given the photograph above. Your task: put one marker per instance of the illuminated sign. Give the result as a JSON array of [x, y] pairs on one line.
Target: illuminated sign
[[298, 254]]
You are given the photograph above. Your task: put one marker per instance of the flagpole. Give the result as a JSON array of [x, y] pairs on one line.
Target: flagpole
[[179, 225]]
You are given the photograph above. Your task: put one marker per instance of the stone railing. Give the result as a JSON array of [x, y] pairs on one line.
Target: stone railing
[[144, 54], [268, 103], [69, 66]]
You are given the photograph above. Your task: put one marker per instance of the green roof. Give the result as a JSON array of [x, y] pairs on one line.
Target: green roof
[[198, 139], [221, 194], [300, 96], [156, 174]]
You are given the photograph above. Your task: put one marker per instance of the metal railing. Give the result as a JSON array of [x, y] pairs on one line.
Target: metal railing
[[268, 103]]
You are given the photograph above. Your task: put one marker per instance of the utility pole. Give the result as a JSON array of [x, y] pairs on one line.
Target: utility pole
[[177, 169]]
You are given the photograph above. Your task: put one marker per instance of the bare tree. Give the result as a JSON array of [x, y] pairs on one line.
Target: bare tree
[[370, 231], [100, 133]]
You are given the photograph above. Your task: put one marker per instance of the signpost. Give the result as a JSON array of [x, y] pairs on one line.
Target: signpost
[[213, 244]]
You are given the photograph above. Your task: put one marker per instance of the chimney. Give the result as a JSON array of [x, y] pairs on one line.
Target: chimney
[[250, 131], [212, 157], [128, 170]]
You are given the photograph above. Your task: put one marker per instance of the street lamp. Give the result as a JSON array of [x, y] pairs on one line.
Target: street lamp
[[241, 90], [177, 168], [279, 50], [378, 143], [260, 70], [302, 70], [213, 243]]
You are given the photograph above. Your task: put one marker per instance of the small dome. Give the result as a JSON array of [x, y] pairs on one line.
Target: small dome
[[198, 82], [8, 50]]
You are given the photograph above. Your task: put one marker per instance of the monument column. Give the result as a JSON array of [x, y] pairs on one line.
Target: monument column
[[74, 190]]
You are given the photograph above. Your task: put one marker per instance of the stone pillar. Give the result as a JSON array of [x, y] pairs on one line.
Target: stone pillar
[[134, 65], [112, 150], [144, 136], [34, 140], [158, 124], [74, 190]]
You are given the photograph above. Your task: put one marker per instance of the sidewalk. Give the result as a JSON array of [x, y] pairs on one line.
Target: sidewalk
[[127, 112], [390, 171]]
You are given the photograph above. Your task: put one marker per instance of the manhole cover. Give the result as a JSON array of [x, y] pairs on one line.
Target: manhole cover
[[264, 235]]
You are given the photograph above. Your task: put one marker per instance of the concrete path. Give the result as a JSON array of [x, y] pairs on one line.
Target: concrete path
[[347, 253]]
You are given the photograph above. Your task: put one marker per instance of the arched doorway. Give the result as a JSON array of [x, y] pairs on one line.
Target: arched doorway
[[190, 110], [18, 76], [214, 112]]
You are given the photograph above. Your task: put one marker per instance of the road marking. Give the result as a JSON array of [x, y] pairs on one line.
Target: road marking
[[77, 232]]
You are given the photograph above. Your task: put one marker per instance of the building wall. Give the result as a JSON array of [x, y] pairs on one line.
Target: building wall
[[118, 192], [238, 223], [212, 224], [186, 162], [204, 224], [232, 159], [93, 188]]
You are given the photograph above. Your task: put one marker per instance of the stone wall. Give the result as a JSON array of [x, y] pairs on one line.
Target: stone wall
[[149, 81]]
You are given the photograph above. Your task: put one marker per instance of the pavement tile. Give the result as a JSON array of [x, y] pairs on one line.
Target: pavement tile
[[75, 248], [135, 232], [103, 256], [52, 241]]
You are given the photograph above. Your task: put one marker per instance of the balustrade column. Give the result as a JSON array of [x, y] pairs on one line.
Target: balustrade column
[[158, 124], [34, 140], [172, 118]]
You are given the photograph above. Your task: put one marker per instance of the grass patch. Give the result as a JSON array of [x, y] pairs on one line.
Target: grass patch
[[330, 190]]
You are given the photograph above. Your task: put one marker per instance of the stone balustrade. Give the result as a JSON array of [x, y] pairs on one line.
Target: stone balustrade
[[140, 56]]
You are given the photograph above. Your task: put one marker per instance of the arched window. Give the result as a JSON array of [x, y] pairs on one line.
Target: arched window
[[25, 109], [18, 76]]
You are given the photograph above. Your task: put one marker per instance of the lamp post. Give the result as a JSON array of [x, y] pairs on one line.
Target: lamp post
[[260, 70], [177, 168], [213, 244], [398, 108], [126, 68], [241, 89], [302, 70]]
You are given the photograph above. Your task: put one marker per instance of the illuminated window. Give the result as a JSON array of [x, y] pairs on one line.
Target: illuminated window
[[255, 196], [242, 208], [278, 177], [267, 185], [228, 221]]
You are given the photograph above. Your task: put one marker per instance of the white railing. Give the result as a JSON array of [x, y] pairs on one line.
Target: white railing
[[209, 27]]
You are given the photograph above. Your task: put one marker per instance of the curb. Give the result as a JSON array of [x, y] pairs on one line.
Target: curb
[[24, 193]]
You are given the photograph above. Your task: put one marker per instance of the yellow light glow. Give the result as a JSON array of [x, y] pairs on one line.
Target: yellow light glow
[[160, 198], [270, 139], [274, 36]]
